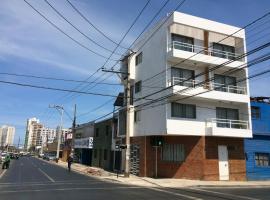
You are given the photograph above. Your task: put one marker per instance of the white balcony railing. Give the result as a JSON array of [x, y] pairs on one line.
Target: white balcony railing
[[229, 88], [184, 82], [227, 123], [203, 50]]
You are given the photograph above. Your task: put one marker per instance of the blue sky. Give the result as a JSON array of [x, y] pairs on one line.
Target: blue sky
[[29, 45]]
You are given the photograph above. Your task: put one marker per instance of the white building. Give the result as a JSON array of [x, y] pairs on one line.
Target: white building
[[33, 133], [206, 113], [7, 135]]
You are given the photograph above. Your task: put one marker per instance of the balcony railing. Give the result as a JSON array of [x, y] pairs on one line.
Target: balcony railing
[[228, 123], [229, 88], [203, 50], [184, 82]]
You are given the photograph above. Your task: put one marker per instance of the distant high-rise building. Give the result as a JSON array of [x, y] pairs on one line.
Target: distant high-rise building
[[7, 135], [33, 131]]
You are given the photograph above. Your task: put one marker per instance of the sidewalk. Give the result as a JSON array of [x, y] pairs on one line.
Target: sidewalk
[[151, 182]]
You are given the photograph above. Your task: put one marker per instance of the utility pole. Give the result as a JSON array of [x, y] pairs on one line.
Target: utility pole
[[128, 108], [73, 128], [60, 109]]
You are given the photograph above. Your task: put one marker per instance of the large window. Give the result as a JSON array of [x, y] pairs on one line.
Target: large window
[[223, 51], [138, 86], [262, 159], [183, 77], [224, 117], [225, 83], [173, 152], [183, 110], [182, 42], [255, 112], [138, 59]]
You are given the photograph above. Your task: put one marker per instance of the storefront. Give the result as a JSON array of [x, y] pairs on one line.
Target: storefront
[[83, 150]]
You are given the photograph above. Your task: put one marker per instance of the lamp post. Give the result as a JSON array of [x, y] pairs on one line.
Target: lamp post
[[60, 109]]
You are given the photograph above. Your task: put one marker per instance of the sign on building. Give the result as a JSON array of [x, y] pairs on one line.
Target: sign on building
[[83, 143]]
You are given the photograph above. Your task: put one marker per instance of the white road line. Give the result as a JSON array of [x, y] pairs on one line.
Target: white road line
[[176, 194], [45, 174], [225, 194], [2, 174], [69, 189]]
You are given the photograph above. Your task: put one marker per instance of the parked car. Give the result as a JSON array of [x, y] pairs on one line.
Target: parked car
[[49, 156], [2, 157], [41, 155]]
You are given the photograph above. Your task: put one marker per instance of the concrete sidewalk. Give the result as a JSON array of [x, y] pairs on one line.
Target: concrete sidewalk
[[151, 182]]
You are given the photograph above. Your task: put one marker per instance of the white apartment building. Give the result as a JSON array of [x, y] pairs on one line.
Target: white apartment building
[[33, 133], [201, 123], [7, 134]]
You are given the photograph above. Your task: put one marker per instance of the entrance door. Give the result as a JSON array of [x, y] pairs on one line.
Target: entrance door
[[223, 163]]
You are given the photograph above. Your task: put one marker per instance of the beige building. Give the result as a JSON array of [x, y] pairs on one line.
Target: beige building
[[7, 135]]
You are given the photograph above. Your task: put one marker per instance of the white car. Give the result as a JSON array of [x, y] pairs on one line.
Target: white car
[[2, 157]]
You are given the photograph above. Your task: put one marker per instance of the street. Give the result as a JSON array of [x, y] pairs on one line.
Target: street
[[32, 178]]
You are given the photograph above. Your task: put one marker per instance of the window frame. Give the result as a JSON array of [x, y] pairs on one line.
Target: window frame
[[138, 87], [258, 159], [184, 115], [256, 115], [137, 116], [138, 58]]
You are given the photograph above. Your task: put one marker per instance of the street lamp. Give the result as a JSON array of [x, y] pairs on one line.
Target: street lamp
[[60, 109]]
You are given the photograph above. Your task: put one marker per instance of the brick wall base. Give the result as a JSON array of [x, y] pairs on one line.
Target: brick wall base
[[201, 158]]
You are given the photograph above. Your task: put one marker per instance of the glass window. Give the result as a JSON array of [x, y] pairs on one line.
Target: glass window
[[105, 154], [138, 86], [262, 159], [137, 116], [183, 110], [107, 130], [223, 51], [225, 83], [173, 152], [183, 77], [255, 112], [97, 132], [182, 42], [224, 115], [138, 59]]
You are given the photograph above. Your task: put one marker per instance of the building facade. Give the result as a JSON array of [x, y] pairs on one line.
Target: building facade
[[257, 149], [7, 136], [197, 128], [83, 143], [103, 155], [30, 134]]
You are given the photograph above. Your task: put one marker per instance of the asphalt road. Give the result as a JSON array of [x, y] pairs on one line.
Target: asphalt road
[[30, 178]]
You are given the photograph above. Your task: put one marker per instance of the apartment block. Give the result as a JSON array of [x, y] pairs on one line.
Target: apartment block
[[198, 127], [7, 135]]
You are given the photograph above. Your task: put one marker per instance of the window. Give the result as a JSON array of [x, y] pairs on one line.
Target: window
[[138, 59], [137, 116], [173, 152], [95, 153], [223, 51], [107, 130], [255, 112], [138, 86], [224, 115], [182, 42], [183, 77], [222, 83], [183, 110], [105, 154], [97, 132], [262, 159]]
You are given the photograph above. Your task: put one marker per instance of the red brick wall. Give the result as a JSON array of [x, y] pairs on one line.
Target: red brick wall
[[237, 165], [201, 158]]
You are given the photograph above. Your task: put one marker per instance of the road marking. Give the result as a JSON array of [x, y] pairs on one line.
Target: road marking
[[2, 174], [176, 194], [225, 194], [50, 178], [50, 184]]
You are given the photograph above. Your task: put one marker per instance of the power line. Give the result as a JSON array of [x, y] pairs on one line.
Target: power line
[[92, 25], [56, 79], [63, 32], [76, 28]]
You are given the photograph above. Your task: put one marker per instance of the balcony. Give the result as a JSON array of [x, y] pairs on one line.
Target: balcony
[[210, 91], [228, 128], [180, 50]]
